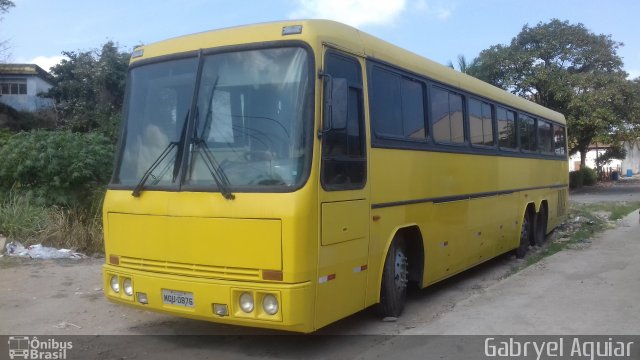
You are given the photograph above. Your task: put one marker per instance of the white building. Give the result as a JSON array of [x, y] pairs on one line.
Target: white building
[[631, 162], [20, 85]]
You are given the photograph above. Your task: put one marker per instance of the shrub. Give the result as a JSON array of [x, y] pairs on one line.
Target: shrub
[[575, 179], [589, 176], [5, 134], [56, 167], [583, 177]]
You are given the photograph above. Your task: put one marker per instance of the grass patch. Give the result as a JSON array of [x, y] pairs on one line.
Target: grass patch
[[24, 220], [623, 210], [583, 222], [21, 217]]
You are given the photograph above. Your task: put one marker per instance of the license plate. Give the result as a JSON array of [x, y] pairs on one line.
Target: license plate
[[178, 298]]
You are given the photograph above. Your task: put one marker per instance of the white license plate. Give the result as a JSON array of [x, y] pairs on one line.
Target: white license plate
[[178, 298]]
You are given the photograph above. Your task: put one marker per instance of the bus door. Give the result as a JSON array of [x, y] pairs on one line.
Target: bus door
[[343, 195]]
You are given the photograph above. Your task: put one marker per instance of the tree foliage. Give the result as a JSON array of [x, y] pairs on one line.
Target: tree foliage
[[5, 5], [89, 89], [463, 64], [569, 69]]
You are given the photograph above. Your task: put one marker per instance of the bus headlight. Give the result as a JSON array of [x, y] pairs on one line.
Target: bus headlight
[[115, 285], [127, 287], [270, 304], [246, 302]]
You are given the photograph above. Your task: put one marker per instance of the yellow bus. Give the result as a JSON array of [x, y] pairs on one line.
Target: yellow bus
[[286, 175]]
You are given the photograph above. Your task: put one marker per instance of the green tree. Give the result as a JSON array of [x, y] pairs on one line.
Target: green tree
[[89, 89], [569, 69], [5, 5], [463, 64]]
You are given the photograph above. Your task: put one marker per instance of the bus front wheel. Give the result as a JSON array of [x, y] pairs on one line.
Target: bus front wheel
[[395, 276]]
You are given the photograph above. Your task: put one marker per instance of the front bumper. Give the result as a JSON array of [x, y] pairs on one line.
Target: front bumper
[[295, 311]]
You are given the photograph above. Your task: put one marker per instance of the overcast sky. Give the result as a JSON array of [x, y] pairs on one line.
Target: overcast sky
[[39, 30]]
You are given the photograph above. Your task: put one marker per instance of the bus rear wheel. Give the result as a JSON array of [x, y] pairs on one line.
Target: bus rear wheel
[[525, 236], [395, 276], [541, 227]]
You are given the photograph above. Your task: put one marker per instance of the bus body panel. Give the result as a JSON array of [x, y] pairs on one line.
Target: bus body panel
[[457, 234]]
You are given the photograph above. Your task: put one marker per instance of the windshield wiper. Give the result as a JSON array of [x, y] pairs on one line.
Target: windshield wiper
[[216, 171], [167, 150], [210, 161], [158, 161]]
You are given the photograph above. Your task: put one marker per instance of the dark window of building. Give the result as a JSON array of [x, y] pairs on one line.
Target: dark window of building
[[14, 86]]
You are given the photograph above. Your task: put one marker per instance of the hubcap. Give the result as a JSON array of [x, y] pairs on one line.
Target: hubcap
[[401, 272]]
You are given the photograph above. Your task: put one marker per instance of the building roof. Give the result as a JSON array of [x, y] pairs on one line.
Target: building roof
[[25, 69]]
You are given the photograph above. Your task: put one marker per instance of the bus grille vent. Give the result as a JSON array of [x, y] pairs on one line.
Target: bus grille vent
[[196, 270]]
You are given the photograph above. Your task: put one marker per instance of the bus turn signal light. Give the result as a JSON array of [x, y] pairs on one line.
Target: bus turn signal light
[[275, 275]]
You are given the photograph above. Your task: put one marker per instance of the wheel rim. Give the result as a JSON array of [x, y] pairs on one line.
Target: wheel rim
[[401, 272]]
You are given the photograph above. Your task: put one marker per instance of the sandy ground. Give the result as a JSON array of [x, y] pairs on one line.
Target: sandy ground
[[592, 290]]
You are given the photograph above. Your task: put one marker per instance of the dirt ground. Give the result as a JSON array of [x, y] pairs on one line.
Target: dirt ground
[[592, 290], [626, 189]]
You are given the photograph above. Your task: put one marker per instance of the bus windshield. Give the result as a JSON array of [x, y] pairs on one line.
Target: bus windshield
[[250, 125]]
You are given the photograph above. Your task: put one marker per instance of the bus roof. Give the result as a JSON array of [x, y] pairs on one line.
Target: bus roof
[[344, 37]]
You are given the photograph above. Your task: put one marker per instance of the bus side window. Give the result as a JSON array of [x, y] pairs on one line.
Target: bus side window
[[343, 150]]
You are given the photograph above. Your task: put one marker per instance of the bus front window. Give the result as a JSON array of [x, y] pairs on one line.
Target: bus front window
[[252, 116]]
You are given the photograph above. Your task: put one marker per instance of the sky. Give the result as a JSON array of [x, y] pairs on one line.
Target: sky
[[40, 30]]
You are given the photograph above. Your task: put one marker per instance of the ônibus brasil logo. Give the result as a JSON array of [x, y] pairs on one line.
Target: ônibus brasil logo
[[25, 347]]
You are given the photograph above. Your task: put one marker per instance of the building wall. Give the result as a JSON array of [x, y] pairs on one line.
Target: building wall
[[574, 161], [31, 101], [632, 160], [36, 85]]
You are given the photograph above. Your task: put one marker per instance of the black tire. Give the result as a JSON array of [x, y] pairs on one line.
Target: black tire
[[525, 236], [541, 227], [395, 275]]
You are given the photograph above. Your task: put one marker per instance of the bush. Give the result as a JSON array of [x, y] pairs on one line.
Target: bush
[[582, 177], [56, 167], [15, 120], [575, 179], [589, 176]]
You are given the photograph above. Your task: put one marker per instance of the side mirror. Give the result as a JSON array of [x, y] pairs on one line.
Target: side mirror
[[336, 92]]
